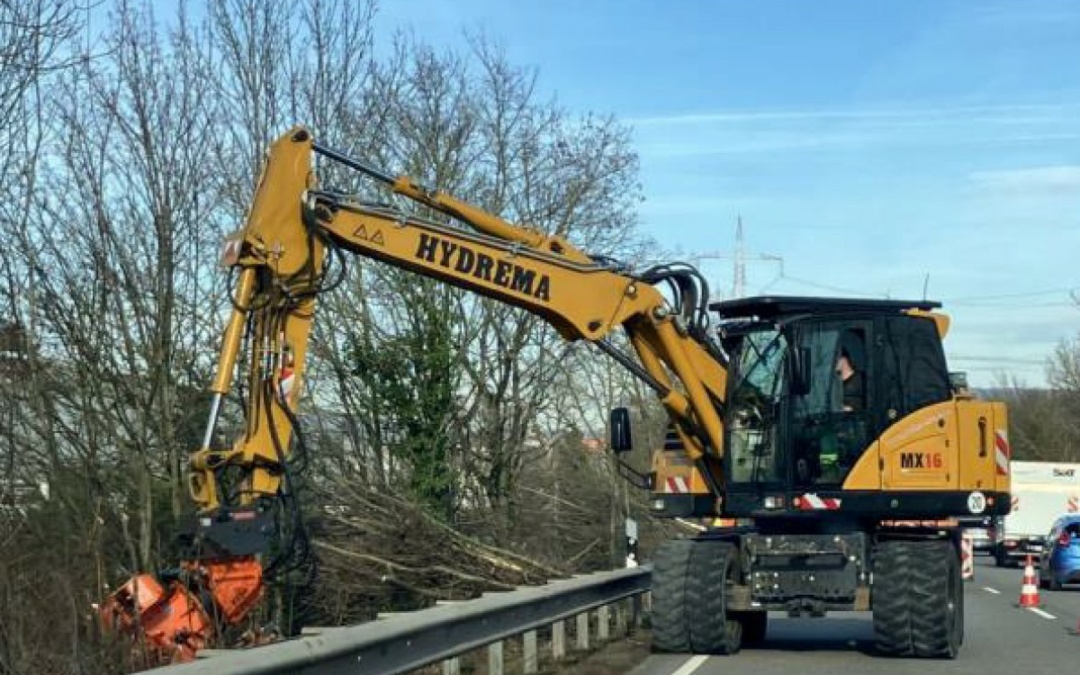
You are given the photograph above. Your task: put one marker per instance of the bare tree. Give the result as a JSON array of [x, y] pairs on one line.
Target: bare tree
[[34, 36], [118, 299], [1063, 374], [51, 536], [573, 177], [475, 128], [1043, 421], [1063, 371], [122, 171]]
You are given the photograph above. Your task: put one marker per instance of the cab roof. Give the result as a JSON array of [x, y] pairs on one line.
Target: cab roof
[[773, 306]]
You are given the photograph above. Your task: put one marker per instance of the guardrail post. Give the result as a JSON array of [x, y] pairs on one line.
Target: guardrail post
[[495, 658], [532, 663], [451, 666], [583, 631], [603, 616], [558, 640], [620, 618], [636, 614]]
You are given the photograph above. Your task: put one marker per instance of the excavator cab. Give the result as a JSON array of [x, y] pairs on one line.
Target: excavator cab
[[848, 455], [840, 405]]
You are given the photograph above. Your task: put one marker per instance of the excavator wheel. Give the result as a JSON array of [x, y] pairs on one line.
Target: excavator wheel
[[689, 610], [918, 599], [670, 623], [892, 606], [713, 568], [938, 585]]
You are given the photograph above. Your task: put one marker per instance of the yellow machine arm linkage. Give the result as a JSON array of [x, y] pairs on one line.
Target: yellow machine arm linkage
[[284, 243], [280, 262]]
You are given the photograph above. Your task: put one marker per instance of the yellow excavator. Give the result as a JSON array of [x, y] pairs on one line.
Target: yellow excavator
[[825, 435]]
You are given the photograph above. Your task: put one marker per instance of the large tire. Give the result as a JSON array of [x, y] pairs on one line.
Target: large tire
[[1000, 559], [938, 589], [713, 566], [671, 570], [892, 612], [918, 599], [960, 617]]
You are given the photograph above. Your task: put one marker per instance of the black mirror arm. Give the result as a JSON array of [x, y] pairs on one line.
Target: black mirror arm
[[642, 481]]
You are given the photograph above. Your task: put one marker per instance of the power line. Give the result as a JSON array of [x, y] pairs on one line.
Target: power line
[[982, 301], [1013, 305], [835, 289], [1012, 296], [1000, 359]]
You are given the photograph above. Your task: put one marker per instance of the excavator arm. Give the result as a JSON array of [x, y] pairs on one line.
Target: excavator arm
[[247, 526]]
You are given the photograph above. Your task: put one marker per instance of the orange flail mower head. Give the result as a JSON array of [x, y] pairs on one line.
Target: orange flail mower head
[[173, 621], [235, 586]]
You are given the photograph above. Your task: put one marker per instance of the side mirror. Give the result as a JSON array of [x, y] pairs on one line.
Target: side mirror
[[619, 421], [959, 382], [800, 371]]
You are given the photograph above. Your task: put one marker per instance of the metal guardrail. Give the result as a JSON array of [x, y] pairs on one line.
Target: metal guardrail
[[404, 642]]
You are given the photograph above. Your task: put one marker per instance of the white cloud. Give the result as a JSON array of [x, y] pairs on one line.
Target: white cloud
[[846, 130], [1063, 178], [900, 115], [753, 142]]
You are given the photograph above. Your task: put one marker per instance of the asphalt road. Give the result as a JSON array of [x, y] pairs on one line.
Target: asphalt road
[[1000, 639]]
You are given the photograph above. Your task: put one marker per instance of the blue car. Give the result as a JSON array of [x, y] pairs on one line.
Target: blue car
[[1060, 561]]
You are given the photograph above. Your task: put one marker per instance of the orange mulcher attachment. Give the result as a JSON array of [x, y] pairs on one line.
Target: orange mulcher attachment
[[174, 622]]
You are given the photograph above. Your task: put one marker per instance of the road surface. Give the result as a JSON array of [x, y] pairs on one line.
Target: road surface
[[1000, 639]]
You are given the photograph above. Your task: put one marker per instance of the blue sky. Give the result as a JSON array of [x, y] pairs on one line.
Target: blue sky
[[874, 146]]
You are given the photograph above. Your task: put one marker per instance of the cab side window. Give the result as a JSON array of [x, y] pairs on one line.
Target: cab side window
[[830, 422], [913, 369]]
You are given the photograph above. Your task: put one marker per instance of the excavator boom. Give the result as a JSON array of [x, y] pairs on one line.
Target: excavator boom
[[247, 522]]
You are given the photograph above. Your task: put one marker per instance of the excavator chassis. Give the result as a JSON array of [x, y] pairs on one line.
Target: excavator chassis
[[712, 594]]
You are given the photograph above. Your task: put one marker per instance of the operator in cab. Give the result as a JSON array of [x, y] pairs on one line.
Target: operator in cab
[[851, 382], [833, 436]]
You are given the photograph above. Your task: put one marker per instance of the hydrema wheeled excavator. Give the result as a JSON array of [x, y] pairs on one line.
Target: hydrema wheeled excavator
[[837, 489], [849, 457]]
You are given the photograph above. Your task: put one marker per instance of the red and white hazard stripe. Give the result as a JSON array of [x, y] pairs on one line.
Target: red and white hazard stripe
[[967, 557], [677, 485], [1001, 452], [285, 384], [230, 252], [1073, 504], [1015, 506], [812, 502]]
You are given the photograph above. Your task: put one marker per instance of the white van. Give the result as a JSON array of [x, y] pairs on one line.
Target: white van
[[1041, 491]]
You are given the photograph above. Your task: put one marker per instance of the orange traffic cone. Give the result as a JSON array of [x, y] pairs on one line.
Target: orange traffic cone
[[1029, 591]]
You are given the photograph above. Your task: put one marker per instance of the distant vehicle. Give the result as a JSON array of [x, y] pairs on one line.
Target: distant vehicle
[[1060, 563], [1041, 491], [982, 535]]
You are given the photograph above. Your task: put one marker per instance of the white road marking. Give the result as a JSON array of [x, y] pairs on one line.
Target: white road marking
[[991, 590], [1045, 615], [690, 666]]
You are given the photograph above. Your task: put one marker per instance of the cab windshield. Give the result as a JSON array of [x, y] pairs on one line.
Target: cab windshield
[[754, 407]]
